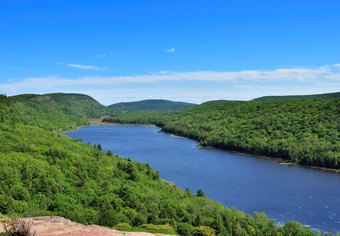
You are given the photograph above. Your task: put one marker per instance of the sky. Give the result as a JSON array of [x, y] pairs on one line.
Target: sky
[[180, 50]]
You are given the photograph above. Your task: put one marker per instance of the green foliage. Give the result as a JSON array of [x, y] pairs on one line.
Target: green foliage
[[149, 105], [306, 132], [55, 111], [166, 229], [204, 231], [51, 174], [200, 193], [301, 97], [155, 229], [184, 229], [15, 226], [293, 228]]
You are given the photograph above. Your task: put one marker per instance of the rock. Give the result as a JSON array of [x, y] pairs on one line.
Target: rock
[[59, 226]]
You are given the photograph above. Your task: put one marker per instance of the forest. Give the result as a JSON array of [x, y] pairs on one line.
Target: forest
[[149, 105], [303, 131], [298, 97], [56, 111], [45, 173]]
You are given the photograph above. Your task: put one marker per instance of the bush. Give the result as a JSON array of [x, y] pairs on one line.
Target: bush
[[16, 226], [160, 228], [123, 225], [293, 228], [185, 229], [204, 231], [138, 219], [111, 218]]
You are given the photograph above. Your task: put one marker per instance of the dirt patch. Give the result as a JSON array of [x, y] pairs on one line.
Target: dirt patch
[[59, 226]]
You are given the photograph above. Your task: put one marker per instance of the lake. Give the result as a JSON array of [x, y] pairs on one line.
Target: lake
[[249, 183]]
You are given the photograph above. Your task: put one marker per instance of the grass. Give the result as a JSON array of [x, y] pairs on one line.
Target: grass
[[148, 228]]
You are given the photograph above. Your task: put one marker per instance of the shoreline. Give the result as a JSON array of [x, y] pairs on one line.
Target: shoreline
[[276, 159], [311, 167], [99, 122], [281, 161]]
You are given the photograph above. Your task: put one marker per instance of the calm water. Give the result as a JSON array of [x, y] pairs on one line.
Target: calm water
[[284, 193]]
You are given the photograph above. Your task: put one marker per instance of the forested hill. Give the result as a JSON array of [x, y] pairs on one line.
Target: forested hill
[[150, 105], [306, 132], [44, 173], [57, 111], [298, 97]]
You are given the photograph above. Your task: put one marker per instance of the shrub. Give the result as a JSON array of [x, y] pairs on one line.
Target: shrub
[[160, 228], [185, 229], [18, 227], [204, 231], [123, 225]]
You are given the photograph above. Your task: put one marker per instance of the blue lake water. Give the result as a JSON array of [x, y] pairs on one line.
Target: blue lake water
[[248, 183]]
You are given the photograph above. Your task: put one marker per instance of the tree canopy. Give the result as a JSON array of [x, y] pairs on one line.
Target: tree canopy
[[306, 132], [45, 173]]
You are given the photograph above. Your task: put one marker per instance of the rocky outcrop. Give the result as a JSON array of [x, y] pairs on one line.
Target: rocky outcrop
[[59, 226]]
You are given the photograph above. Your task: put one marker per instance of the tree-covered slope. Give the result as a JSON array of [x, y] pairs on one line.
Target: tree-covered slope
[[150, 105], [57, 111], [306, 132], [298, 97], [45, 173]]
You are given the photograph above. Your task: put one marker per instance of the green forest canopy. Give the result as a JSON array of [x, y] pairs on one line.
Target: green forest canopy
[[150, 105], [298, 97], [304, 131], [45, 173]]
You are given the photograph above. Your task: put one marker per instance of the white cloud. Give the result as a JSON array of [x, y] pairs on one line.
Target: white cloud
[[162, 72], [106, 55], [16, 68], [221, 85], [300, 74], [85, 67], [100, 55], [171, 50], [12, 67]]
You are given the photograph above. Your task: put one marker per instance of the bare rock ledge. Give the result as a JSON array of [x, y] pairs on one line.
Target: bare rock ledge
[[59, 226]]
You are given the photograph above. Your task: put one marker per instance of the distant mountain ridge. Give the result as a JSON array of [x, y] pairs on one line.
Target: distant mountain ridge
[[150, 105], [72, 103], [298, 97], [303, 131], [60, 111]]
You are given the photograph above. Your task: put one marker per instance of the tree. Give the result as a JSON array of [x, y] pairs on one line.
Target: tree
[[200, 193], [293, 228]]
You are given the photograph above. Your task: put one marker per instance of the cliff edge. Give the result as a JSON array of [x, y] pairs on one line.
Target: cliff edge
[[55, 225]]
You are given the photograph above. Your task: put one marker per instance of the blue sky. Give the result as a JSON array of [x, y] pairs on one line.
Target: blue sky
[[192, 51]]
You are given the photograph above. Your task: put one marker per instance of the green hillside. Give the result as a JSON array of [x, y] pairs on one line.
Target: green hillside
[[44, 173], [298, 97], [306, 132], [57, 111], [150, 105]]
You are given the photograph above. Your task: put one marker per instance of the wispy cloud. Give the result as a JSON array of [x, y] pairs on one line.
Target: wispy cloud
[[12, 67], [85, 67], [298, 74], [171, 50], [106, 55], [162, 72], [244, 83], [16, 68]]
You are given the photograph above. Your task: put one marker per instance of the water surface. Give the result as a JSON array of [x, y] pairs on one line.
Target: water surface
[[284, 193]]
